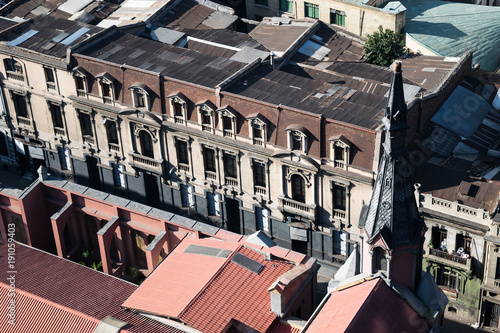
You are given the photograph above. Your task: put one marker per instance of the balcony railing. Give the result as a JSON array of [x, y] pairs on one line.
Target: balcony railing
[[496, 283], [450, 258], [258, 141], [59, 131], [88, 139], [179, 120], [114, 147], [107, 100], [338, 213], [81, 93], [428, 201], [295, 207], [231, 181], [15, 76], [51, 86], [183, 167], [260, 190], [210, 175], [24, 121], [206, 127], [228, 133], [339, 164], [146, 163]]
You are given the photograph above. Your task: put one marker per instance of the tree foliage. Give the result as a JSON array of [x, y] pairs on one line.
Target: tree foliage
[[383, 47]]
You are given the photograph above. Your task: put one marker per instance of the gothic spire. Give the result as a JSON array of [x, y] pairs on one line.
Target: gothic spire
[[392, 212]]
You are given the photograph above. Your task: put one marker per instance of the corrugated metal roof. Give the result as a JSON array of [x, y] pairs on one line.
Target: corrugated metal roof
[[165, 35], [73, 6], [219, 20], [451, 28], [463, 112]]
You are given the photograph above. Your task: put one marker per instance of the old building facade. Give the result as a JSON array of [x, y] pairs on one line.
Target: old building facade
[[180, 130]]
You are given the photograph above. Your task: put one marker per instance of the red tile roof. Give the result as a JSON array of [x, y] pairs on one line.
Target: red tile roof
[[55, 279], [35, 314], [186, 274], [371, 306], [279, 327], [52, 287], [235, 293]]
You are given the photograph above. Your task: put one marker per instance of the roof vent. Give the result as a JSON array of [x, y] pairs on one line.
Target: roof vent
[[245, 262], [110, 325]]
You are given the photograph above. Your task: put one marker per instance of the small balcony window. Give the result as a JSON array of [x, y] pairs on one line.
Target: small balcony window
[[298, 188], [178, 108], [107, 89], [227, 121], [206, 115], [50, 78], [57, 120], [258, 129], [14, 69], [140, 96], [297, 138]]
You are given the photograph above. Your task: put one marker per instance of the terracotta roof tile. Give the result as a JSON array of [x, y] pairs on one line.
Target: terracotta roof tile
[[279, 327], [236, 293], [34, 314]]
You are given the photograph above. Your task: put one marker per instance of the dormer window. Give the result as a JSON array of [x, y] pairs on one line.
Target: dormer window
[[257, 130], [297, 138], [227, 122], [206, 115], [339, 151], [140, 96], [106, 86], [80, 76], [178, 108], [13, 69]]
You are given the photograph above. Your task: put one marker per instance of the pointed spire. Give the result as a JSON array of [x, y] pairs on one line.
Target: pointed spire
[[392, 212], [395, 114]]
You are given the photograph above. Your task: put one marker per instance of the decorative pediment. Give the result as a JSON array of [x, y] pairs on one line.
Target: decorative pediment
[[80, 71], [257, 117], [206, 105], [340, 140], [227, 111], [141, 87], [105, 77], [178, 97], [297, 128]]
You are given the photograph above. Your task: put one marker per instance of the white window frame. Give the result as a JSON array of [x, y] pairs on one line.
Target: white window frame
[[66, 158], [78, 72], [303, 138], [104, 79], [253, 122], [204, 109], [179, 99], [136, 91], [227, 112], [339, 163]]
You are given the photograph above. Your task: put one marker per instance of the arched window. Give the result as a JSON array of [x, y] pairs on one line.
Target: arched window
[[298, 189], [379, 260], [146, 144]]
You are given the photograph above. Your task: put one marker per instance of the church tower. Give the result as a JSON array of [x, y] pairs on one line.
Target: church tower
[[392, 231]]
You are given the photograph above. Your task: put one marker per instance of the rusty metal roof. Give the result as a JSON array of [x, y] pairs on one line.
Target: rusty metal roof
[[171, 61]]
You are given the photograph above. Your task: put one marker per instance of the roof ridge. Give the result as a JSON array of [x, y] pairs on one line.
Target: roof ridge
[[198, 295], [367, 299]]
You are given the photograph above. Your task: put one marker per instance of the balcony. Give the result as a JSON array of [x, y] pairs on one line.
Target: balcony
[[179, 120], [59, 131], [23, 121], [81, 93], [183, 167], [88, 139], [51, 86], [339, 214], [206, 127], [146, 163], [114, 147], [258, 141], [107, 100], [15, 76], [210, 175], [450, 259], [428, 201], [290, 206], [231, 181], [496, 283], [339, 164], [260, 190], [228, 134]]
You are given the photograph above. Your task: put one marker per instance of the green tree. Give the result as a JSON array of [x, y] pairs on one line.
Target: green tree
[[383, 47]]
